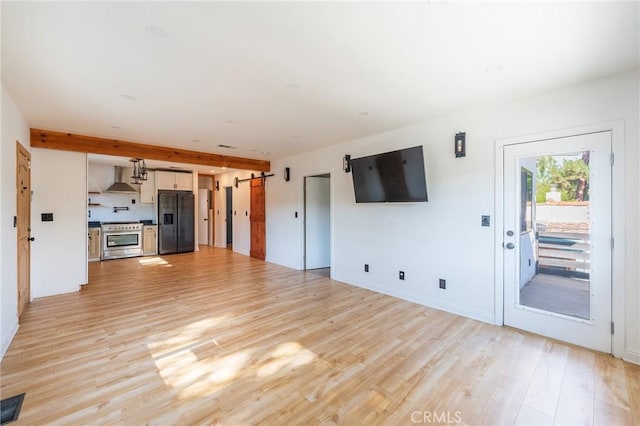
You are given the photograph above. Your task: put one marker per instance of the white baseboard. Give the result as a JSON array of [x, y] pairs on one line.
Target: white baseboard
[[436, 304], [281, 263], [243, 252], [631, 356], [5, 345]]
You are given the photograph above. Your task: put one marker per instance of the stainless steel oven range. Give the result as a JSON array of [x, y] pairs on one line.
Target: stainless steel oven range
[[121, 239]]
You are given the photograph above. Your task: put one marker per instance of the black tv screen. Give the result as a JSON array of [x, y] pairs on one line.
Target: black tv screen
[[391, 177]]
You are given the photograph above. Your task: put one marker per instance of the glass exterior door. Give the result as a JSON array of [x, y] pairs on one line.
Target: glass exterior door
[[557, 238]]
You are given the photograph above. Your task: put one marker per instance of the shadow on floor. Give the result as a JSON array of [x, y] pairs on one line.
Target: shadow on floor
[[325, 272]]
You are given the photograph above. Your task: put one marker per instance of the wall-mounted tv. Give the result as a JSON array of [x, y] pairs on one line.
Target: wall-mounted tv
[[390, 177]]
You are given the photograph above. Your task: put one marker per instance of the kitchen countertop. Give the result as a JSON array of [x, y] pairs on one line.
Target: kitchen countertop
[[96, 224]]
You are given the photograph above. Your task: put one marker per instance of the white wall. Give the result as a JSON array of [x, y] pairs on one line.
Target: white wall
[[561, 213], [205, 181], [241, 208], [443, 238], [59, 252], [14, 128], [100, 177]]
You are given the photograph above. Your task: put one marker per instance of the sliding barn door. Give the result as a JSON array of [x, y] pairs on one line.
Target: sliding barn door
[[257, 219]]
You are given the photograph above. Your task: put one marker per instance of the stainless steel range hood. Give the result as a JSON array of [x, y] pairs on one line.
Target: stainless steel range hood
[[119, 185]]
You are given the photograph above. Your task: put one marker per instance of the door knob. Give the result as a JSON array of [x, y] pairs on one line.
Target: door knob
[[31, 238], [510, 246]]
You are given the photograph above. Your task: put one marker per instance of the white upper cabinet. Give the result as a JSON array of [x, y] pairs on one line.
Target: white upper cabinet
[[184, 181], [174, 181], [148, 189]]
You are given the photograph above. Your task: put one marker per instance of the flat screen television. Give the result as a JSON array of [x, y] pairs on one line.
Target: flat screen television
[[390, 177]]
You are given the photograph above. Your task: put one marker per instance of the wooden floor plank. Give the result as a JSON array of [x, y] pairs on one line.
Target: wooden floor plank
[[218, 338]]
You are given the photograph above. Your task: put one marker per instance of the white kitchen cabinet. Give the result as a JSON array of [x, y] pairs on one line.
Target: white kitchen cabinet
[[149, 240], [174, 181], [94, 244], [184, 181], [148, 189]]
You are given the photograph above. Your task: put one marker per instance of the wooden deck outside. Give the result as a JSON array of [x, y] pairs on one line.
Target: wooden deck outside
[[219, 338]]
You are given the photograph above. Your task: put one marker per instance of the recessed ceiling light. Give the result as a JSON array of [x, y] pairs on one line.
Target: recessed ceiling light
[[363, 113], [157, 30], [224, 168], [292, 86], [295, 136], [212, 171], [195, 140], [129, 97], [226, 146], [229, 121], [266, 153], [116, 127]]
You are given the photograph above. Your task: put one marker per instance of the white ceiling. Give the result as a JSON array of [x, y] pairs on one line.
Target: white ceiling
[[110, 160], [274, 79]]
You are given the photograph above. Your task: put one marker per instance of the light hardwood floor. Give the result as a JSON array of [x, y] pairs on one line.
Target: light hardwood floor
[[216, 337]]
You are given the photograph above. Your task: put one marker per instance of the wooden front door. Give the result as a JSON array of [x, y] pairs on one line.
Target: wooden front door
[[257, 219], [23, 224]]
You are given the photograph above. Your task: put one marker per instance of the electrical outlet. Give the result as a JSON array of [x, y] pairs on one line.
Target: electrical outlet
[[443, 284], [486, 220], [366, 267], [133, 201], [401, 275]]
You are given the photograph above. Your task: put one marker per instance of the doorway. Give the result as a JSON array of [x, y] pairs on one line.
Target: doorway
[[317, 224], [204, 206], [23, 225], [229, 215], [557, 238]]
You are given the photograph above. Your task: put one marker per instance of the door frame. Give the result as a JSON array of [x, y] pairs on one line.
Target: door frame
[[618, 267], [304, 220], [228, 189], [301, 209], [201, 219]]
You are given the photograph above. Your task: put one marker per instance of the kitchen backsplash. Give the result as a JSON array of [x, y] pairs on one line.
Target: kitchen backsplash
[[100, 177], [105, 211]]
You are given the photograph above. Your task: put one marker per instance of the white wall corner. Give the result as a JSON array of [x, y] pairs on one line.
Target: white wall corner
[[7, 341]]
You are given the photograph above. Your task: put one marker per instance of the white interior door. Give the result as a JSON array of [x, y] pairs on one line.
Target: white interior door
[[317, 222], [557, 238], [203, 216]]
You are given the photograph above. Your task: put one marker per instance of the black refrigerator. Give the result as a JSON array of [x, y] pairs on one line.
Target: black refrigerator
[[175, 222]]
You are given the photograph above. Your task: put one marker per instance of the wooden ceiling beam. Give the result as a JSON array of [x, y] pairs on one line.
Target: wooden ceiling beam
[[94, 145]]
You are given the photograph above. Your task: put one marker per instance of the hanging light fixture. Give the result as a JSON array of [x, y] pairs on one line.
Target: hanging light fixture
[[139, 171]]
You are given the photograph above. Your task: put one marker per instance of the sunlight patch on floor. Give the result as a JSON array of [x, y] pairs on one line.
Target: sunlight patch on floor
[[154, 261], [197, 369], [181, 338], [290, 354]]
